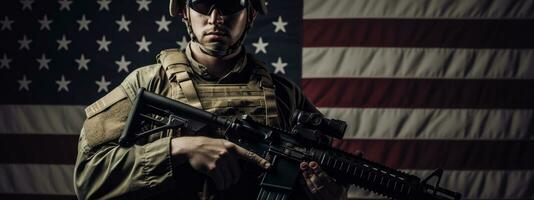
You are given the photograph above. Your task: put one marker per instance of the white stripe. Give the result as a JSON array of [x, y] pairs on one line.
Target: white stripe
[[469, 9], [476, 184], [418, 63], [57, 180], [36, 179], [454, 124], [41, 119]]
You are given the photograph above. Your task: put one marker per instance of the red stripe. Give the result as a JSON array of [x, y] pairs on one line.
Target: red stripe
[[453, 33], [419, 93], [403, 154], [445, 154], [39, 149]]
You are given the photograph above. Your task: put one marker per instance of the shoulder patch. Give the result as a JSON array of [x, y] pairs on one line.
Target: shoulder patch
[[100, 105]]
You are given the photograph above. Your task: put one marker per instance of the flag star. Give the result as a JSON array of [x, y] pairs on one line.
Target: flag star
[[82, 62], [143, 44], [103, 44], [183, 43], [123, 64], [63, 43], [63, 84], [280, 25], [6, 23], [163, 24], [143, 4], [43, 62], [45, 23], [24, 43], [5, 62], [102, 84], [260, 46], [104, 4], [84, 23], [26, 4], [123, 24], [279, 66], [64, 4], [24, 83]]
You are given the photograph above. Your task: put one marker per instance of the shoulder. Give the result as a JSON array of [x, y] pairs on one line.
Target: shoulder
[[291, 93], [283, 81], [106, 116], [144, 77]]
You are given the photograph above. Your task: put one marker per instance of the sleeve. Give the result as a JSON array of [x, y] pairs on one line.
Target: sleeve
[[105, 170], [289, 98]]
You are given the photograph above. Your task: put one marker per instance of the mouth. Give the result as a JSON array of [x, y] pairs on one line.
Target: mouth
[[218, 33]]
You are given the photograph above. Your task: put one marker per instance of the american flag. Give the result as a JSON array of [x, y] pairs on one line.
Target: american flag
[[423, 84]]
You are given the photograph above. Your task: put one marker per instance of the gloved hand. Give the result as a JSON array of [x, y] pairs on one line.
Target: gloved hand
[[217, 158], [320, 186]]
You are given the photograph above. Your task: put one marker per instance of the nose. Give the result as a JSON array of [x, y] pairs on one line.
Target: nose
[[215, 17]]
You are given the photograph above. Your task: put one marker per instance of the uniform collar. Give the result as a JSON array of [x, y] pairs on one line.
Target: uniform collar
[[202, 70]]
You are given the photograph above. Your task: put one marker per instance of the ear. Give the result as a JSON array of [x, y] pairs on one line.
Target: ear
[[184, 13]]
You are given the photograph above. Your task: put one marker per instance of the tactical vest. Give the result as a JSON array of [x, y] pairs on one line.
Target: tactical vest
[[255, 98]]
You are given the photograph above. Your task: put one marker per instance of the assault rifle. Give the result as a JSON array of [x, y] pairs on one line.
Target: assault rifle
[[308, 140]]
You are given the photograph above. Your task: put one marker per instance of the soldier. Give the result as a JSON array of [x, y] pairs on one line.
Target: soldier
[[214, 73]]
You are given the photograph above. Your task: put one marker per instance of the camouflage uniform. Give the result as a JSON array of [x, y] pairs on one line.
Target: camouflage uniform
[[106, 170]]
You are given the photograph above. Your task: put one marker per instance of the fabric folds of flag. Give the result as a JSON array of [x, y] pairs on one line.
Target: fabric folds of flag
[[428, 84]]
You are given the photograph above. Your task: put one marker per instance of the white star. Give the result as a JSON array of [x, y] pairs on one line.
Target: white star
[[43, 62], [143, 44], [279, 66], [45, 23], [82, 62], [24, 43], [26, 4], [5, 62], [123, 64], [64, 4], [143, 4], [102, 84], [63, 43], [24, 83], [104, 4], [6, 23], [63, 84], [260, 46], [280, 25], [183, 43], [103, 44], [84, 23], [123, 24], [163, 24]]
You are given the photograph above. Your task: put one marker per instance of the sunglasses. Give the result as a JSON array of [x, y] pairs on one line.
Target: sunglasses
[[225, 7]]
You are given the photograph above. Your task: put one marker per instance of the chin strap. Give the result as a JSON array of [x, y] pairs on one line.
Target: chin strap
[[219, 53]]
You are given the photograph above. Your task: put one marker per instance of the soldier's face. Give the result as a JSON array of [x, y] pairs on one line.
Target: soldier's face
[[217, 30]]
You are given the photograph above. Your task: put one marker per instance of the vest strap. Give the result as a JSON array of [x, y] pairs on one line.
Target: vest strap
[[188, 88], [267, 85], [175, 64]]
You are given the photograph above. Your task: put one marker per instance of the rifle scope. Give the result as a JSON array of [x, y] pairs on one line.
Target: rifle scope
[[316, 121]]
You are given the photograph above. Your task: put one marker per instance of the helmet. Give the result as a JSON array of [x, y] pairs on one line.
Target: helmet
[[175, 6]]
